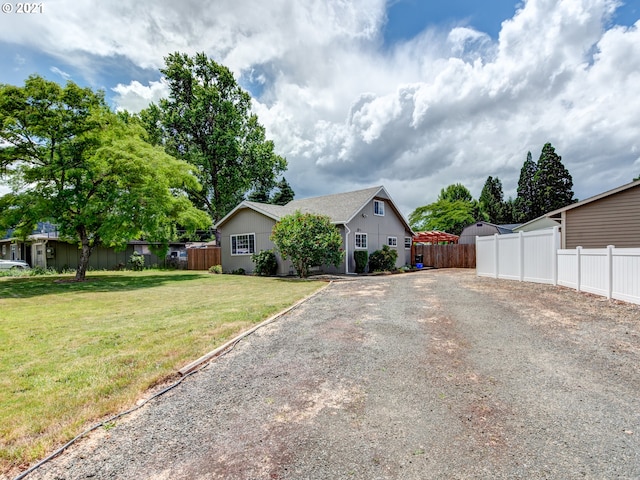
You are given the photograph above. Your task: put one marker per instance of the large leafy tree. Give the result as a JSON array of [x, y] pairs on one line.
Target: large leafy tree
[[451, 212], [492, 202], [207, 121], [553, 181], [308, 240], [72, 161]]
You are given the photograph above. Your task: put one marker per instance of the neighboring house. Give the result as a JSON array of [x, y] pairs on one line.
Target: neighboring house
[[483, 229], [610, 218], [539, 223], [367, 219], [49, 251]]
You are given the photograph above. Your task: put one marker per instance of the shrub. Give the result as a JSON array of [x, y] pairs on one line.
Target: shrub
[[137, 261], [361, 257], [217, 269], [383, 260], [266, 263], [308, 240], [239, 271]]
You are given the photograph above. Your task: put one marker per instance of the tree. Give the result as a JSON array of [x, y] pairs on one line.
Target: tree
[[284, 194], [451, 212], [308, 240], [492, 201], [207, 121], [72, 161], [526, 203], [553, 182]]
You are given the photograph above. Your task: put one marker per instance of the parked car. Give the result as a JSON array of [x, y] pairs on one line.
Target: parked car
[[14, 265]]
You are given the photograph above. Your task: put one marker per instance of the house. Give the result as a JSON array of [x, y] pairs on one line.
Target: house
[[483, 229], [610, 218], [49, 251], [367, 219]]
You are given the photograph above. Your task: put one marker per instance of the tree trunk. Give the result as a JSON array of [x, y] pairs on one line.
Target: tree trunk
[[84, 257]]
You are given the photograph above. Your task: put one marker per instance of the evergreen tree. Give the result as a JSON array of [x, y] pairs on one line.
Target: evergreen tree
[[491, 201], [284, 194], [553, 181], [526, 203]]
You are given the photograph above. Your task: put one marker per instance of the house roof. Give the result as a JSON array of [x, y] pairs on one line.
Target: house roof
[[613, 191], [435, 236], [339, 207], [503, 229]]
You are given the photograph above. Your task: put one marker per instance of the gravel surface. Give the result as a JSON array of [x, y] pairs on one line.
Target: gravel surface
[[436, 374]]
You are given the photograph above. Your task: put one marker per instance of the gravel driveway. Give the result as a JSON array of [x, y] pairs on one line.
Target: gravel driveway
[[436, 374]]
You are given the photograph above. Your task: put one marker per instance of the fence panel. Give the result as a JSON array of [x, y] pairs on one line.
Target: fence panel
[[485, 257], [203, 258], [626, 274], [568, 268], [594, 271], [447, 256]]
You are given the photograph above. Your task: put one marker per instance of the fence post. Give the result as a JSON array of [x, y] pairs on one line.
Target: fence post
[[578, 267], [496, 250], [555, 238], [609, 278], [521, 254]]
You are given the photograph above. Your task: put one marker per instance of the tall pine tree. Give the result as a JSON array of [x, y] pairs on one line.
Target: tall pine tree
[[526, 203], [284, 194], [553, 181], [492, 200]]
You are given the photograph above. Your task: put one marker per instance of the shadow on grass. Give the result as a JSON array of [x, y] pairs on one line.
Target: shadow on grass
[[28, 287]]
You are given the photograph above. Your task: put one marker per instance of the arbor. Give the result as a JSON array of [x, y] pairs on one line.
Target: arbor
[[492, 201], [72, 161], [207, 121], [553, 182], [451, 212], [308, 240]]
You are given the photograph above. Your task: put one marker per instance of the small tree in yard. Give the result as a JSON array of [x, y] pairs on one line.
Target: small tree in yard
[[308, 240], [383, 260]]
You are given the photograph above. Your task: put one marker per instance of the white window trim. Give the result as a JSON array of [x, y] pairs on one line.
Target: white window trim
[[380, 203], [409, 242], [248, 243], [366, 241], [392, 242]]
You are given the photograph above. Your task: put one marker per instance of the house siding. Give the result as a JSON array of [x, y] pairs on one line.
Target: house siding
[[612, 220], [378, 229], [248, 221]]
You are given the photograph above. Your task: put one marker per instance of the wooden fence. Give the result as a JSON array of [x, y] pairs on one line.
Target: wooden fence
[[446, 256], [203, 258]]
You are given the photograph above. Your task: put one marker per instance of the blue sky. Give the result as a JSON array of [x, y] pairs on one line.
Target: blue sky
[[411, 94]]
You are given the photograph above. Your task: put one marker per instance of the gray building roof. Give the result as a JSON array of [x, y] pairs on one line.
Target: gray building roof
[[339, 207]]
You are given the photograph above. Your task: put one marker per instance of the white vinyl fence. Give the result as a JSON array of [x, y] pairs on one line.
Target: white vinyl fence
[[536, 257]]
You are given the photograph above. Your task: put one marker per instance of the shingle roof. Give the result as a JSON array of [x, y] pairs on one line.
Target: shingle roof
[[339, 207]]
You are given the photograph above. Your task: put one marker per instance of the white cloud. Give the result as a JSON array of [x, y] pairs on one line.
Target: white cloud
[[135, 96], [444, 107], [63, 74]]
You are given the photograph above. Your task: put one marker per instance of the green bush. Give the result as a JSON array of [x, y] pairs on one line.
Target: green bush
[[215, 269], [137, 262], [266, 263], [383, 260], [361, 257], [239, 271]]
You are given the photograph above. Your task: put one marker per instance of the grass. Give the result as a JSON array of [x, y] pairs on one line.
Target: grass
[[73, 353]]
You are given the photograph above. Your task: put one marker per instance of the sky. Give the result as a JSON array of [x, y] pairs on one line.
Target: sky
[[414, 95]]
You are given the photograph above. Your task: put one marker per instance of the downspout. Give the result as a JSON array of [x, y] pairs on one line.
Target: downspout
[[346, 250]]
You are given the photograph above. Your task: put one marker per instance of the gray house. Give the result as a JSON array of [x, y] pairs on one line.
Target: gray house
[[367, 219]]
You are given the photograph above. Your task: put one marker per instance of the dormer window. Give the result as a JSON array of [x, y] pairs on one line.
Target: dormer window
[[378, 208]]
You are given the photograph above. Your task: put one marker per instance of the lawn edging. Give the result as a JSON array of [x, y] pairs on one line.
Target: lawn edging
[[214, 353]]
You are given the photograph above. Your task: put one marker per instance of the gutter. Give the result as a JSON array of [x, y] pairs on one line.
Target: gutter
[[346, 249]]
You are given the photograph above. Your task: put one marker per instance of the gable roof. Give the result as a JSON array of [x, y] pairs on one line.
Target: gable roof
[[503, 229], [613, 191], [339, 207]]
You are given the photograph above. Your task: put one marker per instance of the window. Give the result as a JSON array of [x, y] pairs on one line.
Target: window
[[244, 244], [361, 240], [392, 241], [378, 208], [407, 242]]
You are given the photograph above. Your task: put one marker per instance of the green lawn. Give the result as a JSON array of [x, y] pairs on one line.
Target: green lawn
[[73, 353]]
